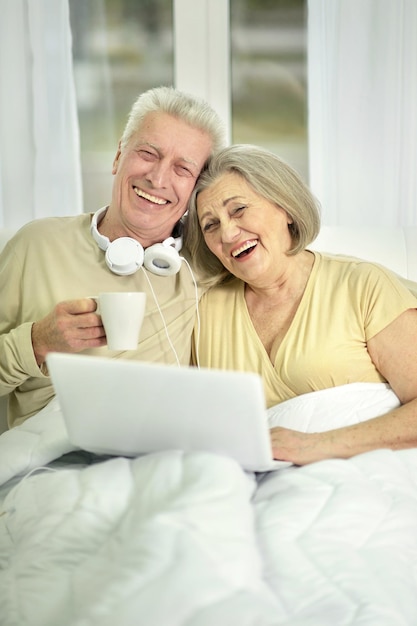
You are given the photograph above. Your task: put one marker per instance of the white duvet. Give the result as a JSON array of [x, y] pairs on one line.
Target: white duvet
[[174, 539]]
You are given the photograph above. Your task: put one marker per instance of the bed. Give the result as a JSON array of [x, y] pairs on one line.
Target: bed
[[191, 539]]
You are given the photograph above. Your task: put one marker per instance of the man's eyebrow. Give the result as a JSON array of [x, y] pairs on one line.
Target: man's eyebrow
[[189, 161], [159, 151], [151, 145]]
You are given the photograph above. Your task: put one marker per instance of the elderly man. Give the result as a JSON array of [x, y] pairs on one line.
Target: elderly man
[[52, 266]]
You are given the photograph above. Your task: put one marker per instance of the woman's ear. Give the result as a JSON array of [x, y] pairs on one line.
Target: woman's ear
[[116, 159]]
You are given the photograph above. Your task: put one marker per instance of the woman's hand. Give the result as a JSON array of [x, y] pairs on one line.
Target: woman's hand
[[395, 430], [294, 446], [394, 353]]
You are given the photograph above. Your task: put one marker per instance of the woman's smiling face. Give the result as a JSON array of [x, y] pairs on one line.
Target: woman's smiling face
[[246, 232]]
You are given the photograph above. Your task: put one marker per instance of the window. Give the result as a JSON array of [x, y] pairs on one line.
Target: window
[[269, 77], [120, 48], [123, 47]]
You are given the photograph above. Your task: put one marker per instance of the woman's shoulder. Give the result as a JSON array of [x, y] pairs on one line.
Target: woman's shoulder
[[340, 264], [361, 273]]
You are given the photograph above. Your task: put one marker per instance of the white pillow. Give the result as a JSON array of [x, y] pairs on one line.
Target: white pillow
[[333, 408]]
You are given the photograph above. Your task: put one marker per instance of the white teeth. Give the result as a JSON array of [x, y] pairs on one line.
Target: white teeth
[[147, 196], [243, 247]]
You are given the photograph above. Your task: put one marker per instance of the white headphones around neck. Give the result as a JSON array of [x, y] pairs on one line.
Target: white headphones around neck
[[125, 255]]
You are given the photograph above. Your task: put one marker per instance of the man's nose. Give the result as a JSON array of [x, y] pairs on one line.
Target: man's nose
[[158, 174]]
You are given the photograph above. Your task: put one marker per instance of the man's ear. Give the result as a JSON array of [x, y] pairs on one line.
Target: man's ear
[[116, 159]]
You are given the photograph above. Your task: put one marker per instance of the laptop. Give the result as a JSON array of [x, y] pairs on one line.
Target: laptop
[[128, 408]]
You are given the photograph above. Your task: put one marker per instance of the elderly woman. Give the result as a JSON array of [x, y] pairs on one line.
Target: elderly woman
[[303, 320]]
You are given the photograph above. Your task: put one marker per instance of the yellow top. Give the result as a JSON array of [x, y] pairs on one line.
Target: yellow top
[[56, 259], [345, 303]]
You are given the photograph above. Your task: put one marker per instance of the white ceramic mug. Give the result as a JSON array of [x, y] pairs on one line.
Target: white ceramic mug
[[122, 314]]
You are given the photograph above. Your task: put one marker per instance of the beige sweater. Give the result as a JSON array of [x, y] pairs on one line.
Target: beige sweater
[[56, 259]]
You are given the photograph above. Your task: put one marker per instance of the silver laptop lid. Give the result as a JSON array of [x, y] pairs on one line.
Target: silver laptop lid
[[129, 408]]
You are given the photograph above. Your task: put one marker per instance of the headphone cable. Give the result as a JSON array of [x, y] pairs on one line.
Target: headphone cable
[[197, 341], [163, 319]]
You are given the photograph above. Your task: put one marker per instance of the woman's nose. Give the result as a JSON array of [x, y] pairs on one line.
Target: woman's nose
[[229, 231]]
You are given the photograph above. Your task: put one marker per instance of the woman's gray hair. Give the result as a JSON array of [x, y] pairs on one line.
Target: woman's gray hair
[[194, 111], [270, 177]]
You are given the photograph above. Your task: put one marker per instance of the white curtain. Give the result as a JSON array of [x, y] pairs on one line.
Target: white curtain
[[40, 172], [362, 73]]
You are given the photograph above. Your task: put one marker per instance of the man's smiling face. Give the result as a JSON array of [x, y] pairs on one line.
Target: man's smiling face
[[155, 174]]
